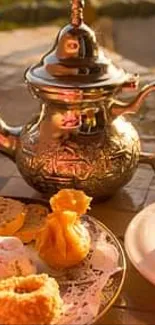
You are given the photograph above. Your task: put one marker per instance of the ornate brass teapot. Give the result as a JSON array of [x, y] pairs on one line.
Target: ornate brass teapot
[[80, 138]]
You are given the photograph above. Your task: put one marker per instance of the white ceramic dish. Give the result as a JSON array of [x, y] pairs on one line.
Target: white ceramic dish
[[140, 242]]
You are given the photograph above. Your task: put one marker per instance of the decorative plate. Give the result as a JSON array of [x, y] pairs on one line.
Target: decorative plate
[[140, 242], [91, 288]]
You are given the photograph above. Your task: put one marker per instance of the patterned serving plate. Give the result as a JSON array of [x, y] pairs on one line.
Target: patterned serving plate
[[90, 288]]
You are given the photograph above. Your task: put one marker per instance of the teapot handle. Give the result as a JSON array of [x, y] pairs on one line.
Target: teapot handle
[[147, 158]]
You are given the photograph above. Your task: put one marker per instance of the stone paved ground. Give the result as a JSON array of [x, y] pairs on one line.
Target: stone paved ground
[[22, 48]]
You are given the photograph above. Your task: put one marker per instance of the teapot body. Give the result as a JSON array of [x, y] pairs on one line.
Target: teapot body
[[66, 147], [80, 139]]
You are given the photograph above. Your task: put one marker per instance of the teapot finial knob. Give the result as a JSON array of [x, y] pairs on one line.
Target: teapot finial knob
[[77, 12]]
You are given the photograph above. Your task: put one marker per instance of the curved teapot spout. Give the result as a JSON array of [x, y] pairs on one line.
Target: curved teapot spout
[[118, 107], [9, 137]]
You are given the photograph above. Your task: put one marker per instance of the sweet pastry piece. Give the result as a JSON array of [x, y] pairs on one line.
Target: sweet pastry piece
[[12, 216], [34, 219], [70, 200], [14, 260], [64, 241], [34, 299]]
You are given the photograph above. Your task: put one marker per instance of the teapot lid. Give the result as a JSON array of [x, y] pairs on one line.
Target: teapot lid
[[76, 60]]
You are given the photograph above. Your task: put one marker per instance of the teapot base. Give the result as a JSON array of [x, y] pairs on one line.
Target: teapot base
[[105, 190]]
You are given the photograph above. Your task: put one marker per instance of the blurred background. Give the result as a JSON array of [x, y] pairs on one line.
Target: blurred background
[[124, 26], [28, 27]]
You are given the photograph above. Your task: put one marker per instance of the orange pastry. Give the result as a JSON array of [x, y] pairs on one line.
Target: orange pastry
[[64, 241], [30, 300], [34, 220], [70, 200], [12, 216]]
